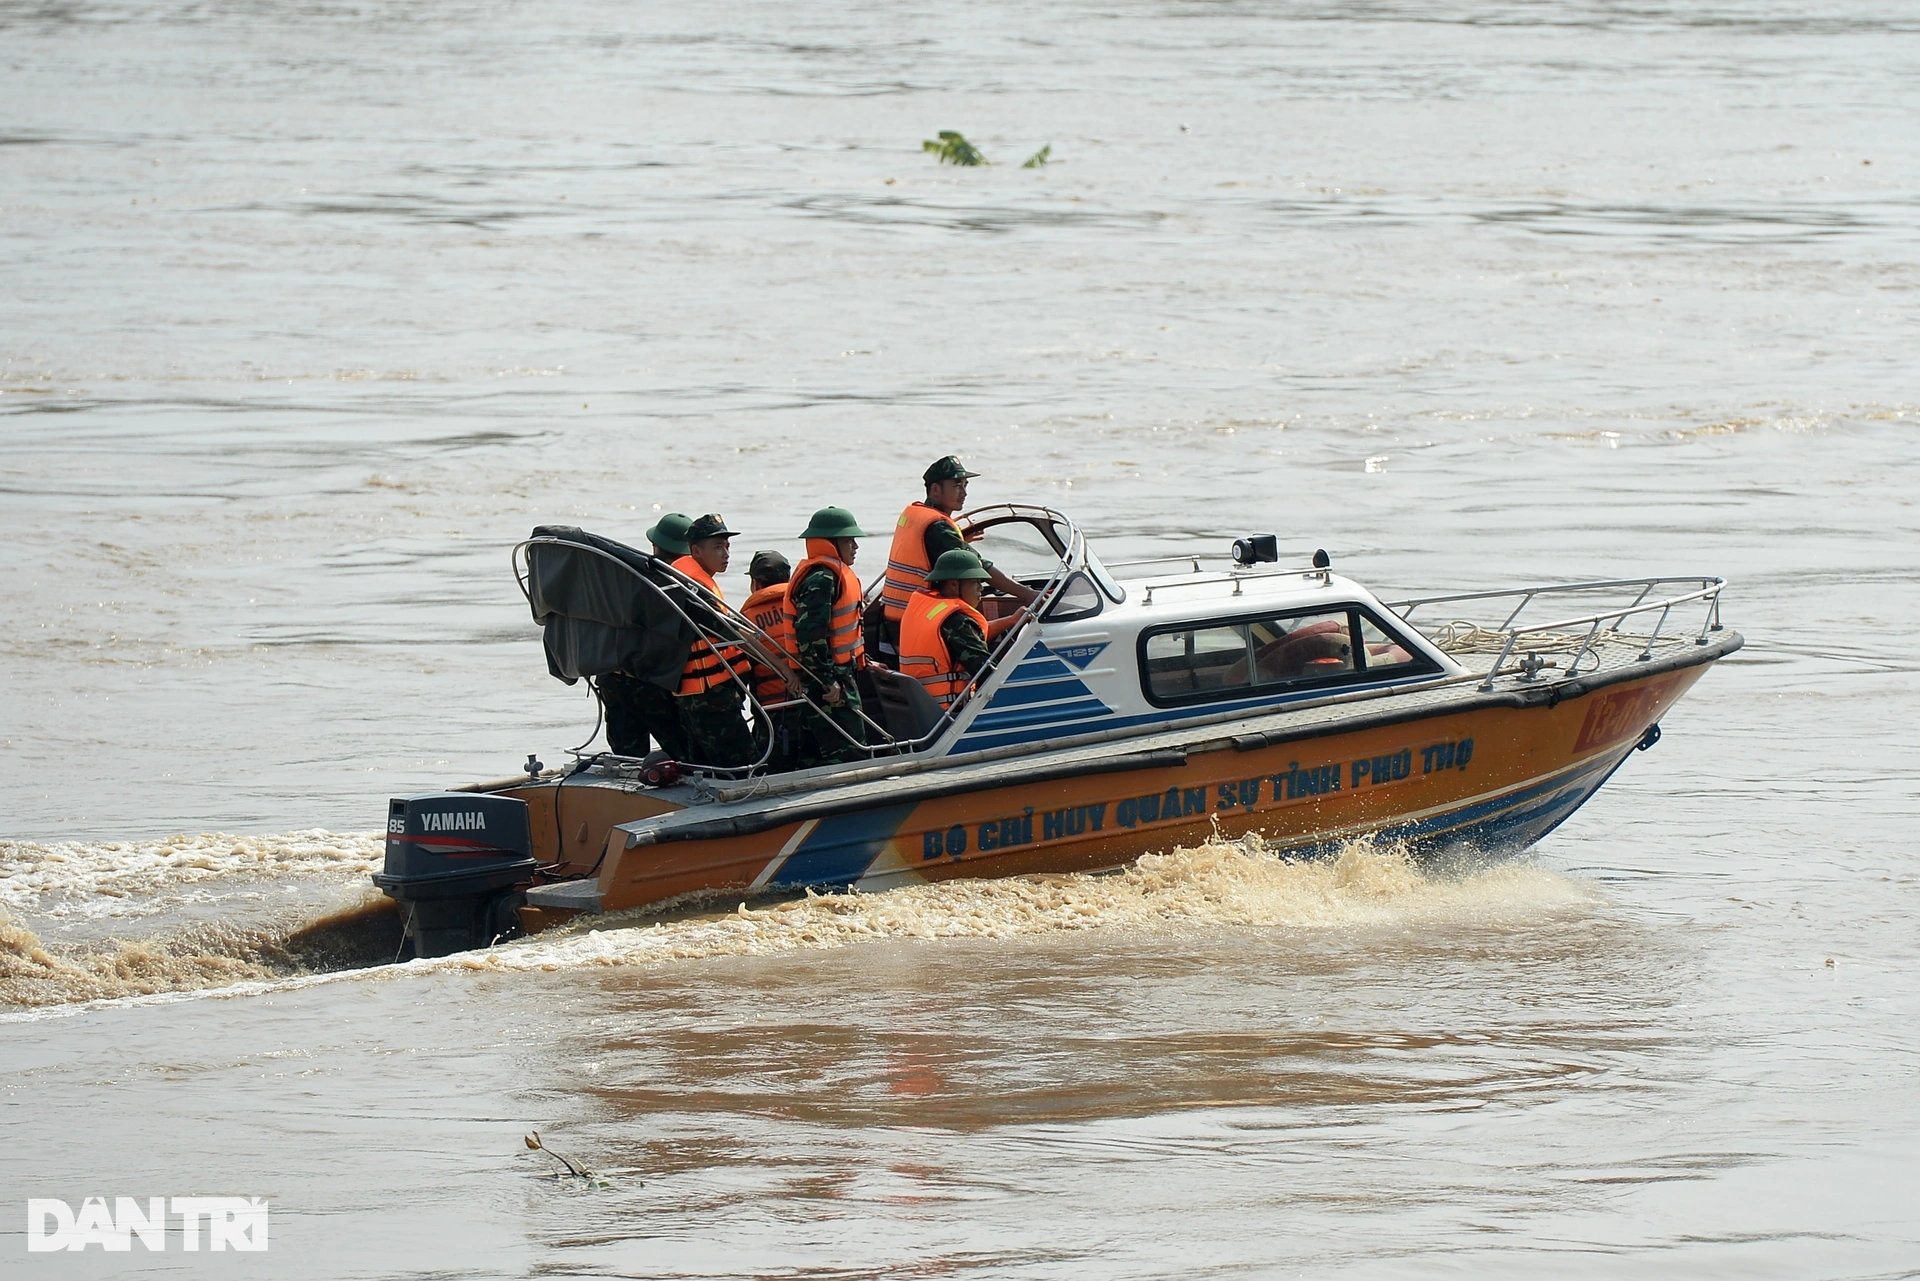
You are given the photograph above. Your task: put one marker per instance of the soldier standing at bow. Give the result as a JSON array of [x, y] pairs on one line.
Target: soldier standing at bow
[[925, 532]]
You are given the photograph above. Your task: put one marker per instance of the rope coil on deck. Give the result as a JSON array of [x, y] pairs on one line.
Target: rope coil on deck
[[1462, 637]]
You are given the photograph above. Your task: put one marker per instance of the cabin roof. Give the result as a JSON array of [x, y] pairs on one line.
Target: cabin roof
[[1235, 593]]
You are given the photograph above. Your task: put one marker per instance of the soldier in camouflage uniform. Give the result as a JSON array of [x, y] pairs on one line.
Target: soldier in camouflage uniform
[[827, 644], [715, 730], [946, 659], [637, 710], [960, 577], [713, 717]]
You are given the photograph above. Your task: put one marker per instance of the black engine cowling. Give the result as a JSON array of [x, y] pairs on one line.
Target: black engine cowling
[[455, 862]]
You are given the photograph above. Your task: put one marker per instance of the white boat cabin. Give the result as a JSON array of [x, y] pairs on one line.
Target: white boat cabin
[[1111, 653]]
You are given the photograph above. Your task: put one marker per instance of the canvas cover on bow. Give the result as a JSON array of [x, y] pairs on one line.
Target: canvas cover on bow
[[606, 607]]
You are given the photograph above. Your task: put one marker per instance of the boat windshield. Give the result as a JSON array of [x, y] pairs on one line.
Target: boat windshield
[[1022, 547], [1035, 545], [1108, 584]]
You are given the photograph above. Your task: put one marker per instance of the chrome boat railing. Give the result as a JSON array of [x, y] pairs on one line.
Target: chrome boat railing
[[1602, 626]]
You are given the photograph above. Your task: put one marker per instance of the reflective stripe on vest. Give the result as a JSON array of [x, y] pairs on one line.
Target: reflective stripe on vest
[[907, 563], [766, 609], [707, 668], [843, 625], [923, 650]]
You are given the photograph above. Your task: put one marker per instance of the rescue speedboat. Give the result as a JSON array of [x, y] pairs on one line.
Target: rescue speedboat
[[1136, 706]]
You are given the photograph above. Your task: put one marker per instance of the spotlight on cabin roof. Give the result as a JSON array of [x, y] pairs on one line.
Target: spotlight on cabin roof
[[1256, 549]]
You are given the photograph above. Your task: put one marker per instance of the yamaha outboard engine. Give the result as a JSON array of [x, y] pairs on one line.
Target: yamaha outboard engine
[[453, 861]]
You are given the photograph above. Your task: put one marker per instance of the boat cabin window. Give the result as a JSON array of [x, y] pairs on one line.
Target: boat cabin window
[[1382, 650], [1265, 655], [1078, 599]]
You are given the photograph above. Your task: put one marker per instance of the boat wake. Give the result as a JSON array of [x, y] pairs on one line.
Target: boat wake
[[1221, 883], [89, 921], [210, 922], [72, 880], [194, 957]]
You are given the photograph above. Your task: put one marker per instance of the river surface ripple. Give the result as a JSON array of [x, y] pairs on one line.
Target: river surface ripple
[[308, 311]]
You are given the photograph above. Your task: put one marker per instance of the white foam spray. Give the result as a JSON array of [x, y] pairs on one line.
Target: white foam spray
[[1219, 883], [67, 879], [1232, 884]]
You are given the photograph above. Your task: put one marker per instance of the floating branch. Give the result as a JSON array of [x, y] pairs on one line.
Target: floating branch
[[1038, 158], [952, 149], [574, 1168]]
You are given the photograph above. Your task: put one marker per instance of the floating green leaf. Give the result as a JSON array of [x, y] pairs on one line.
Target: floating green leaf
[[954, 149], [1038, 158]]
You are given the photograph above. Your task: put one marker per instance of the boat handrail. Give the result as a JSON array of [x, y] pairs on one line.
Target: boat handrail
[[1706, 581], [1235, 576], [1022, 511], [746, 634], [1070, 559], [1707, 592], [1194, 560], [763, 646]]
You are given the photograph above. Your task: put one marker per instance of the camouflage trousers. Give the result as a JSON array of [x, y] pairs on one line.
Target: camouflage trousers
[[715, 730], [817, 743], [637, 710]]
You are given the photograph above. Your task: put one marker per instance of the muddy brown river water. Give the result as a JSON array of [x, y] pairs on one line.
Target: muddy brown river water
[[309, 311]]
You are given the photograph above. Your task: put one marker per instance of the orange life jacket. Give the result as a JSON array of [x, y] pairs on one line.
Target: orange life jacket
[[907, 562], [843, 627], [707, 667], [766, 609], [923, 650]]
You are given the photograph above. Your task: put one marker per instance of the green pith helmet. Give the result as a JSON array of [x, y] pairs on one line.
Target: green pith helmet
[[833, 522], [957, 564], [669, 533]]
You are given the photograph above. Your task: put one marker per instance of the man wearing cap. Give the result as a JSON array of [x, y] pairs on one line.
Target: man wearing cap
[[638, 710], [767, 609], [943, 637], [823, 615], [925, 532], [709, 699]]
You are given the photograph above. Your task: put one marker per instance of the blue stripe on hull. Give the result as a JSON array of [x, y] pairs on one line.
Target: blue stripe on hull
[[1053, 714], [840, 849], [1029, 692], [1042, 669]]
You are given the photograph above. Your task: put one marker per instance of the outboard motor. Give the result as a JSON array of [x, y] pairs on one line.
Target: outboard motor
[[453, 860]]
